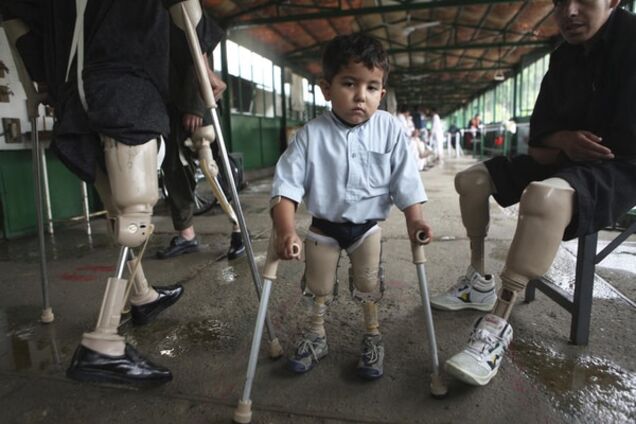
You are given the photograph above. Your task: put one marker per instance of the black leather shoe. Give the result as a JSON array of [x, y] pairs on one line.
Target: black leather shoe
[[130, 368], [178, 246], [237, 248], [168, 295]]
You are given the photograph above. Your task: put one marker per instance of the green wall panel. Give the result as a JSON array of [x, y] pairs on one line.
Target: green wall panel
[[246, 138], [257, 138], [17, 204], [270, 132]]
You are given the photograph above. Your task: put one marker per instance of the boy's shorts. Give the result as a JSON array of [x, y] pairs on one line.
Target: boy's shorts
[[605, 190]]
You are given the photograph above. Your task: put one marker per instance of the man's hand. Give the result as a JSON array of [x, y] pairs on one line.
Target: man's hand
[[218, 86], [191, 122], [579, 146]]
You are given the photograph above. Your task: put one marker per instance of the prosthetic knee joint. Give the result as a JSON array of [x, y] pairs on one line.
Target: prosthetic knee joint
[[545, 211], [132, 174], [202, 139]]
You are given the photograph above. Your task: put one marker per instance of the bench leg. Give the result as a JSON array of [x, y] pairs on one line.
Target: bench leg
[[583, 289]]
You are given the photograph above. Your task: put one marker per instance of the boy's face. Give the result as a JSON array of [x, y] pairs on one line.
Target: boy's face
[[355, 92], [580, 20]]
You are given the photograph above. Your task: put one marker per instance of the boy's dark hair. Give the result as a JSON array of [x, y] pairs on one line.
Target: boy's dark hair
[[357, 47]]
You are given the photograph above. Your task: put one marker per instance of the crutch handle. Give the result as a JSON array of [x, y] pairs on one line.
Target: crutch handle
[[417, 248], [272, 259]]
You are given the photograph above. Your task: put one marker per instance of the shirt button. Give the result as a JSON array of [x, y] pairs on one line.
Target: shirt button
[[353, 155]]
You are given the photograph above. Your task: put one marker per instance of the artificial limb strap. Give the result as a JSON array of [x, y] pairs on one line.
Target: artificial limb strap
[[474, 187], [141, 292]]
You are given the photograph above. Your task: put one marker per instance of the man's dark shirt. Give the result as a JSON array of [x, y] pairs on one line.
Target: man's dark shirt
[[595, 91], [126, 71]]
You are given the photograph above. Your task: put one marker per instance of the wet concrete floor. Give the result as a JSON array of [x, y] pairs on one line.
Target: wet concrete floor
[[205, 338]]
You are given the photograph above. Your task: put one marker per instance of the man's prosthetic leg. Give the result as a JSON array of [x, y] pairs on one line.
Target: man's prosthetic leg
[[475, 289], [103, 355], [15, 29], [475, 186], [202, 139], [186, 15], [545, 210]]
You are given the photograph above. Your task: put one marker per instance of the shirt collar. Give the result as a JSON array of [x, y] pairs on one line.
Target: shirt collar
[[344, 125]]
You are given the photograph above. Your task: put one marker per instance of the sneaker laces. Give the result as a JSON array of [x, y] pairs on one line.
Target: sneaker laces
[[484, 337], [370, 351], [306, 346]]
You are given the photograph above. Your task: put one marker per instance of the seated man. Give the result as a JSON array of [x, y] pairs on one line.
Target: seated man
[[580, 175]]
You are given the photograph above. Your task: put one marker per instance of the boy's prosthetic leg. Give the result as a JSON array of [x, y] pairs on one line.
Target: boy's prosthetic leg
[[15, 29], [545, 210], [243, 412], [475, 186], [186, 15], [438, 387]]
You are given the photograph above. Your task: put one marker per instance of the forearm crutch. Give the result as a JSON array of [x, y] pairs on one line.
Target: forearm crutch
[[14, 29], [208, 98], [243, 412], [438, 387]]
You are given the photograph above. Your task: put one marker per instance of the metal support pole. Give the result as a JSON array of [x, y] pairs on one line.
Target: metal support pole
[[47, 192], [47, 312], [87, 215]]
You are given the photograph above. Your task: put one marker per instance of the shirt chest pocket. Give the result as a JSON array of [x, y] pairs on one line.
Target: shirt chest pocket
[[379, 169]]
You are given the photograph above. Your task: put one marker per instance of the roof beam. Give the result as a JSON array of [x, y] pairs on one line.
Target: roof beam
[[467, 46], [241, 24]]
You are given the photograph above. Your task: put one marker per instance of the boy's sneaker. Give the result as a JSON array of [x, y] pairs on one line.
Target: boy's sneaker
[[309, 350], [472, 291], [479, 362], [371, 363]]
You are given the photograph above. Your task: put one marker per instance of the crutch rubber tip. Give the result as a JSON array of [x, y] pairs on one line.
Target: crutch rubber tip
[[243, 412], [275, 349], [47, 316], [438, 387]]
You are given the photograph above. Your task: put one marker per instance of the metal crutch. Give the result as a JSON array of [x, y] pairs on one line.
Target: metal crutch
[[33, 102], [208, 98], [243, 412], [438, 387]]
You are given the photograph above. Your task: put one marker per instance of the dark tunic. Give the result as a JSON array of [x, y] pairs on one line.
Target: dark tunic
[[594, 92], [125, 71]]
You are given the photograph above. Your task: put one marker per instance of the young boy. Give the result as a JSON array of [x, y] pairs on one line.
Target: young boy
[[349, 165]]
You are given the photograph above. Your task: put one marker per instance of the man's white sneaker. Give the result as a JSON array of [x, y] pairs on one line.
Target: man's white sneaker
[[472, 291], [479, 362]]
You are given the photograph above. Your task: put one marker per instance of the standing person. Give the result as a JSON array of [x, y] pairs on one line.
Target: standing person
[[437, 135], [579, 176], [187, 112], [346, 202], [107, 78]]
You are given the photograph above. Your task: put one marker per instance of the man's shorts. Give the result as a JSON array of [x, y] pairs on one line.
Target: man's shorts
[[605, 190]]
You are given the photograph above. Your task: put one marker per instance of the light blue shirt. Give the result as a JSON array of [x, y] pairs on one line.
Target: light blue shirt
[[347, 173]]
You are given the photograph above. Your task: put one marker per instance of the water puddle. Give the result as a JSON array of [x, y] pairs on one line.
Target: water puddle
[[587, 388], [174, 340], [25, 344]]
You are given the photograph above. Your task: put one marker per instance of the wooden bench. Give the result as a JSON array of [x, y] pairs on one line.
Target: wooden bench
[[579, 305]]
